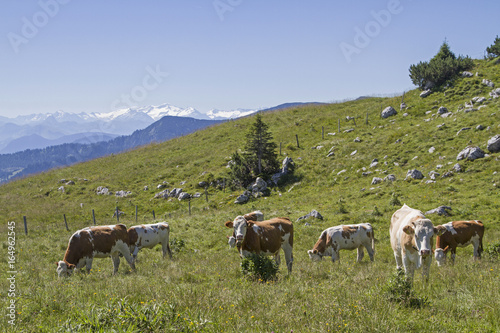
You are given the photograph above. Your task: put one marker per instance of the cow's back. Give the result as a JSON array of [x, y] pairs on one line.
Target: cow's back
[[401, 218], [268, 236]]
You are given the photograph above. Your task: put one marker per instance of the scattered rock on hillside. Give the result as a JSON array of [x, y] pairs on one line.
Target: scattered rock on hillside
[[494, 144], [467, 74], [471, 153], [101, 190], [122, 194], [146, 188], [478, 100], [442, 110], [441, 210], [376, 180], [480, 127], [433, 175], [457, 168], [388, 112], [163, 194], [390, 178], [495, 93], [243, 198], [314, 213], [286, 166], [402, 106], [61, 188], [184, 196], [488, 83], [374, 163], [425, 93], [463, 129], [414, 174]]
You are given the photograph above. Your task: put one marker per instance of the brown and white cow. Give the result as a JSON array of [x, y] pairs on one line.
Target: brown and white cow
[[264, 237], [148, 236], [344, 237], [458, 234], [411, 240], [256, 215], [95, 242]]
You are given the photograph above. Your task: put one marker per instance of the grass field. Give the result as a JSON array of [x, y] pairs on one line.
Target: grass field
[[203, 290]]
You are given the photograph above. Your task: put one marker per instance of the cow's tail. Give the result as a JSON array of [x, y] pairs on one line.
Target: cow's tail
[[372, 235]]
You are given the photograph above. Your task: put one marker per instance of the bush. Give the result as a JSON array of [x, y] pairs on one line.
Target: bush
[[442, 68], [493, 250], [494, 49], [259, 268], [398, 289]]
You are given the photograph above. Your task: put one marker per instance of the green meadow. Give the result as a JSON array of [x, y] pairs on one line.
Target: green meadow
[[203, 289]]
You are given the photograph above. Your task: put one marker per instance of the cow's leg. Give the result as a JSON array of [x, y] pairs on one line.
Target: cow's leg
[[125, 251], [399, 260], [452, 256], [288, 249], [116, 261], [370, 250], [166, 248], [409, 268], [335, 255], [361, 253], [277, 258], [88, 264], [134, 254], [477, 252], [426, 267]]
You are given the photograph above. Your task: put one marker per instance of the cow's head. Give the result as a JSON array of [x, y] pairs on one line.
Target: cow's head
[[239, 226], [422, 231], [440, 255], [64, 269], [314, 255]]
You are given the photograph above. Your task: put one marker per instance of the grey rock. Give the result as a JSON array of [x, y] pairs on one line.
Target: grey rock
[[495, 93], [480, 127], [184, 196], [314, 213], [442, 110], [470, 153], [463, 129], [425, 93], [488, 83], [175, 192], [388, 112], [122, 194], [457, 168], [376, 180], [494, 144], [441, 210], [390, 178], [163, 194], [478, 100], [467, 74], [414, 174], [243, 198], [101, 190]]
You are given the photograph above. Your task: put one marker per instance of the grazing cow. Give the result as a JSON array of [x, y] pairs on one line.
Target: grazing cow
[[95, 242], [265, 237], [344, 237], [253, 216], [459, 234], [411, 240], [148, 236]]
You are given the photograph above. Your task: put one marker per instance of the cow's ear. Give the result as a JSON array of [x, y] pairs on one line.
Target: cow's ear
[[446, 249], [409, 230], [229, 224], [57, 263], [315, 251], [439, 230]]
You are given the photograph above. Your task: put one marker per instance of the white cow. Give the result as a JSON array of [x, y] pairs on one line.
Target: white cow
[[148, 236], [344, 237], [411, 240]]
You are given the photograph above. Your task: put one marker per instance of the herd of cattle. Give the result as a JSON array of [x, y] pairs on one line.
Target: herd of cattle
[[411, 237]]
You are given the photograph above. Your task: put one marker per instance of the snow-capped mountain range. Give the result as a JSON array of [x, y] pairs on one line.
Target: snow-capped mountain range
[[40, 130]]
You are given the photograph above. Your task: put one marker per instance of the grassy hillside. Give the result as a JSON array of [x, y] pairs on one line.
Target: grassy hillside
[[202, 289]]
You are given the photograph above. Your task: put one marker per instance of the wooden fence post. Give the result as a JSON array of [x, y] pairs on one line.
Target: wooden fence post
[[154, 216], [339, 124], [135, 213], [25, 225], [206, 194], [280, 148], [117, 215], [297, 138], [189, 206], [367, 118], [93, 216], [322, 132], [65, 222]]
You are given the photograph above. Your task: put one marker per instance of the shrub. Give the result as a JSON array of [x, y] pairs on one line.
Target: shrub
[[394, 200], [494, 49], [259, 267], [176, 245], [398, 289], [493, 250], [442, 68]]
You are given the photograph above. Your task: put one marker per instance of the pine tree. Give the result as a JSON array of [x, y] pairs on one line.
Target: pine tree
[[494, 49], [260, 151]]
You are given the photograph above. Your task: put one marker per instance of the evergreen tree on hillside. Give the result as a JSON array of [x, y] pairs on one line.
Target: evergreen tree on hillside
[[442, 68], [259, 158], [494, 49]]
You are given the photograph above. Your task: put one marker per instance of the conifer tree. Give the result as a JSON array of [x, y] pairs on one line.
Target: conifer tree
[[260, 150]]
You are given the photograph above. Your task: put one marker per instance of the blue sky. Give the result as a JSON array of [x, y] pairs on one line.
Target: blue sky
[[96, 56]]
